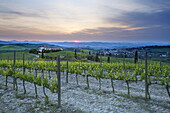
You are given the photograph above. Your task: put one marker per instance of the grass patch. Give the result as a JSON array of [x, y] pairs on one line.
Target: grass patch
[[38, 101], [12, 47], [19, 55], [120, 100], [119, 106], [70, 88], [19, 103], [86, 88], [46, 99], [62, 53], [124, 95], [108, 92], [100, 93]]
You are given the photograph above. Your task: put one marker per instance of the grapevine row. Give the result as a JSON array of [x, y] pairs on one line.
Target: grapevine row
[[157, 74]]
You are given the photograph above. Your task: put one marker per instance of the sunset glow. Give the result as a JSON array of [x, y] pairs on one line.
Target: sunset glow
[[76, 41], [85, 20]]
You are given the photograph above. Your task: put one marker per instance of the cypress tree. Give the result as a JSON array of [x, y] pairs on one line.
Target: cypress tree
[[42, 53], [75, 53], [136, 57], [97, 57]]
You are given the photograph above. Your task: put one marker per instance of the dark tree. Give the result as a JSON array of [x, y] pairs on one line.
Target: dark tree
[[89, 52], [136, 57], [97, 58], [90, 57], [42, 56], [108, 59], [34, 51], [125, 55], [75, 53]]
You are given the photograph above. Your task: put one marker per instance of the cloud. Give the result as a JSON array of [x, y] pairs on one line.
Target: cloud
[[20, 13], [100, 34], [146, 19], [9, 13], [86, 20], [159, 4], [142, 20]]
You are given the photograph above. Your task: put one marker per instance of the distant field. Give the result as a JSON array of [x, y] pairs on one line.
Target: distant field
[[152, 49], [63, 53], [60, 53], [86, 50], [20, 47], [116, 59], [11, 48], [162, 59], [6, 51], [161, 50], [19, 55]]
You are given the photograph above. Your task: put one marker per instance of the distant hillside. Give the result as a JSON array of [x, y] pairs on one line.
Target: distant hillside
[[89, 45], [153, 49], [20, 47]]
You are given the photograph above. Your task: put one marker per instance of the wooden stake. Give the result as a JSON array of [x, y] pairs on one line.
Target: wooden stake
[[146, 76], [67, 69], [59, 80], [14, 78], [23, 69]]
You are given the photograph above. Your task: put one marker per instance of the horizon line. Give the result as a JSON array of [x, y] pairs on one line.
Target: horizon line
[[79, 41]]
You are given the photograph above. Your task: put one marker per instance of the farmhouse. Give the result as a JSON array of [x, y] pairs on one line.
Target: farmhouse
[[48, 48]]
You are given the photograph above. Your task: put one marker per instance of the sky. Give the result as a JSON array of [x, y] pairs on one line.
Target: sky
[[85, 20]]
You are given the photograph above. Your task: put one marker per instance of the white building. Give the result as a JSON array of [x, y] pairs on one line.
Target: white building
[[48, 48]]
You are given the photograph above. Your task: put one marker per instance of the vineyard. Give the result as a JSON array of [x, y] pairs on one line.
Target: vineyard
[[47, 74]]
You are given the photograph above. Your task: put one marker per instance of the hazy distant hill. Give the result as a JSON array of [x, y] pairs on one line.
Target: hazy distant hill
[[153, 49], [104, 45], [93, 45], [21, 47]]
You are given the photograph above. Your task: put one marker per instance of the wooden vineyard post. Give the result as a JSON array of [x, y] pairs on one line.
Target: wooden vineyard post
[[81, 57], [67, 69], [124, 56], [14, 78], [35, 76], [6, 78], [146, 76], [13, 70], [102, 70], [49, 74], [23, 69], [44, 85], [160, 66], [59, 80], [100, 60], [116, 58], [124, 60]]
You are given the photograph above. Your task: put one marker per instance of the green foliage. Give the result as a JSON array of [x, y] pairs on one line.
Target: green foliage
[[12, 47], [38, 80], [113, 71], [53, 86], [45, 82], [33, 51], [9, 55]]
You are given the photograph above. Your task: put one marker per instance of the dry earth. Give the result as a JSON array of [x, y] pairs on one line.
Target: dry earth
[[80, 99]]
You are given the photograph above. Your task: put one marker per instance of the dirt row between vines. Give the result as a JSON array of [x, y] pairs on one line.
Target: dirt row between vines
[[78, 98]]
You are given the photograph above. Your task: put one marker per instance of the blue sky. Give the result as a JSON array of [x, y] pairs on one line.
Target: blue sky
[[85, 20]]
